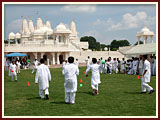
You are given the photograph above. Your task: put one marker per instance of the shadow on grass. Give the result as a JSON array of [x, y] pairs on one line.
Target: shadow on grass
[[89, 93], [57, 102], [33, 98], [133, 92]]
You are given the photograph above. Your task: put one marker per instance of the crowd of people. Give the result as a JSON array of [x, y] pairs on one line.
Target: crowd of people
[[70, 70], [132, 66], [24, 63]]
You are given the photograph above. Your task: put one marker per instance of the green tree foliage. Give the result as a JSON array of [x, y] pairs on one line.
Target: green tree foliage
[[140, 42], [115, 44], [93, 45], [5, 41]]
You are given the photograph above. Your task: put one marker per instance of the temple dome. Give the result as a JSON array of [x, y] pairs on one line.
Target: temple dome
[[145, 29], [38, 31], [11, 35], [46, 30], [18, 35], [61, 28]]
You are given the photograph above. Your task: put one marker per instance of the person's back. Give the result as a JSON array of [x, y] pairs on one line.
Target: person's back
[[70, 71], [43, 71], [43, 76]]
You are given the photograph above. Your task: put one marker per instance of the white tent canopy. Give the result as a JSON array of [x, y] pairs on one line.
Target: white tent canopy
[[142, 49]]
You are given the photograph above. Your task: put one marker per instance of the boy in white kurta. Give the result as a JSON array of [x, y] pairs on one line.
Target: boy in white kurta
[[70, 73], [43, 76], [13, 71], [95, 79], [35, 65], [146, 76]]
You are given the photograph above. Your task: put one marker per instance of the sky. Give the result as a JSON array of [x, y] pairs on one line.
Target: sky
[[105, 22]]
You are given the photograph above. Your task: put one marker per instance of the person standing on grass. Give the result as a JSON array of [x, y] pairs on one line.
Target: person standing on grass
[[43, 77], [140, 66], [123, 65], [13, 71], [18, 67], [35, 65], [95, 79], [70, 73], [146, 76], [10, 64]]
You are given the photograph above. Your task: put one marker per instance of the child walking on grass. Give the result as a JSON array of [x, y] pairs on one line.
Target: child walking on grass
[[95, 79]]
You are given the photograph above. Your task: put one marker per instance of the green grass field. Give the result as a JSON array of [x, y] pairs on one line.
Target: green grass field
[[119, 96]]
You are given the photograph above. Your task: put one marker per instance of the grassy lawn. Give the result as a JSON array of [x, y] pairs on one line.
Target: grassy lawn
[[119, 96]]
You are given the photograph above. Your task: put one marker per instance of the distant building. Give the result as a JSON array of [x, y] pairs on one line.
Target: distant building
[[41, 41]]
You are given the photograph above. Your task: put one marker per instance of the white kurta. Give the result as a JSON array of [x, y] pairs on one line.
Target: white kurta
[[147, 76], [122, 65], [43, 76], [154, 67], [140, 67], [77, 63], [70, 73], [13, 69], [95, 79]]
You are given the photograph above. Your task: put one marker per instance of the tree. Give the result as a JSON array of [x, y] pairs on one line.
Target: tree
[[120, 43], [93, 45], [140, 42]]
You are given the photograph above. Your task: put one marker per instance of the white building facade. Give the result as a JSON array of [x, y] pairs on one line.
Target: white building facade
[[41, 41]]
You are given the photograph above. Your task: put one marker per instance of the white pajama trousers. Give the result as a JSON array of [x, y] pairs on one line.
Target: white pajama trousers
[[18, 70], [140, 71], [41, 92], [145, 86], [14, 76], [95, 87], [70, 95]]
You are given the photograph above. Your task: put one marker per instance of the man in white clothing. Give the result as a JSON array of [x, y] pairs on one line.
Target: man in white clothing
[[10, 64], [95, 79], [146, 76], [115, 65], [13, 70], [43, 77], [154, 65], [123, 62], [18, 66], [70, 73], [135, 64], [140, 66], [88, 62], [6, 64], [35, 65]]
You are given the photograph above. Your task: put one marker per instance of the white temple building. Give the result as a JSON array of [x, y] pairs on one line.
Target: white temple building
[[41, 41]]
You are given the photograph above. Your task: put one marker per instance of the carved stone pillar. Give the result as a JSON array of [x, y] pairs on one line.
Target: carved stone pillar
[[58, 58], [53, 58], [35, 55], [42, 54]]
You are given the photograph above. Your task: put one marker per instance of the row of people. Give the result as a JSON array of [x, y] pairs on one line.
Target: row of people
[[132, 66]]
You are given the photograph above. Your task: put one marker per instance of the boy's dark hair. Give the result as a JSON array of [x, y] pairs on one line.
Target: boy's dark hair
[[41, 60], [71, 59], [94, 60], [145, 56]]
